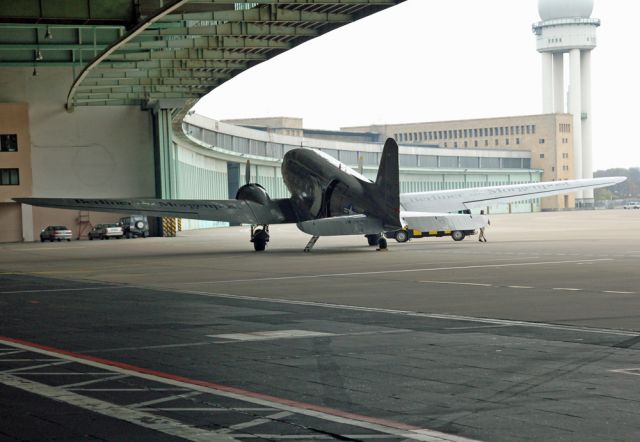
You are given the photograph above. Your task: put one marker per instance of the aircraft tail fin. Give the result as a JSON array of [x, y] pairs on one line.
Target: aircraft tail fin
[[388, 186]]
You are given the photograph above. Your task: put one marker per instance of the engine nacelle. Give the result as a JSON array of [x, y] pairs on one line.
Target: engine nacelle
[[253, 192]]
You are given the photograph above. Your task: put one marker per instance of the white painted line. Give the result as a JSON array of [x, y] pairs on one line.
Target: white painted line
[[208, 409], [164, 399], [136, 417], [382, 272], [567, 289], [78, 289], [459, 283], [631, 371], [619, 292], [144, 419], [256, 422], [128, 389], [413, 314], [271, 335], [23, 370], [93, 381], [519, 287]]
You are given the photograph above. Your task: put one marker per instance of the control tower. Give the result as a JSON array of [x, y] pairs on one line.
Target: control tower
[[567, 28]]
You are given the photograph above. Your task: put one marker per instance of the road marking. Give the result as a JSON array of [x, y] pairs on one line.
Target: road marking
[[164, 399], [459, 283], [383, 272], [77, 289], [409, 313], [137, 417], [519, 287], [631, 371], [619, 292], [93, 381], [567, 288], [270, 335]]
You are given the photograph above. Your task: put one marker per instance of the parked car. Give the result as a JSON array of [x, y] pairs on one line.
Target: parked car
[[55, 233], [134, 226], [106, 231], [632, 205]]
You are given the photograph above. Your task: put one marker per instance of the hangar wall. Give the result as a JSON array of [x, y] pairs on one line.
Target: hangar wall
[[101, 151]]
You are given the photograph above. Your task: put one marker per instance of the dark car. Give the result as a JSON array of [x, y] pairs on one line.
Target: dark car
[[106, 231], [55, 233], [134, 226]]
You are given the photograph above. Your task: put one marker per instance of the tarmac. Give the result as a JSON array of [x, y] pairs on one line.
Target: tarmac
[[531, 336]]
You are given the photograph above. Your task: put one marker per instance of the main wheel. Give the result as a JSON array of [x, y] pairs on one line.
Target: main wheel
[[402, 236], [373, 239], [260, 238], [457, 235]]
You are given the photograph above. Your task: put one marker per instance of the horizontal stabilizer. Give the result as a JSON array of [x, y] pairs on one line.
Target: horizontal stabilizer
[[342, 225]]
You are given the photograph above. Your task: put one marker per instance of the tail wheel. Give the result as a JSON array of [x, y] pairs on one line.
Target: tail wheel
[[260, 239], [402, 236], [457, 235], [382, 243]]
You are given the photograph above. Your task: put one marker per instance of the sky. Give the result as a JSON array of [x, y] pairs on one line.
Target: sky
[[436, 60]]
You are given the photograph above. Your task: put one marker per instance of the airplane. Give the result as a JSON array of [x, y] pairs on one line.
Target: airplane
[[329, 198]]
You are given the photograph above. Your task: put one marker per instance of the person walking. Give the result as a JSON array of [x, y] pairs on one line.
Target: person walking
[[481, 236]]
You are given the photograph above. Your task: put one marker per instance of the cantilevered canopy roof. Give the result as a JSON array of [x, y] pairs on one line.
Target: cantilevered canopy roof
[[140, 51]]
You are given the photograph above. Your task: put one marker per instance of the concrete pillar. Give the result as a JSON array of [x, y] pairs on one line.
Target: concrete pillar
[[558, 82], [166, 186], [547, 87], [587, 155], [575, 107]]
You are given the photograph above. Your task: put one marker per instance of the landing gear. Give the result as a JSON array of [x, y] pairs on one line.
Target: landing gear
[[260, 237], [382, 243], [373, 239]]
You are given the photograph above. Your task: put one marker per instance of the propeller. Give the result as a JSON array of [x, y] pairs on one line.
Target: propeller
[[247, 172]]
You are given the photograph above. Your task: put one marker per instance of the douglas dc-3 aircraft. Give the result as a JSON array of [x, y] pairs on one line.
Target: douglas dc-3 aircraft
[[329, 198]]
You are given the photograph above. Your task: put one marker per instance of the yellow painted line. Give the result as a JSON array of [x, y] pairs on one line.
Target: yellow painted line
[[459, 283]]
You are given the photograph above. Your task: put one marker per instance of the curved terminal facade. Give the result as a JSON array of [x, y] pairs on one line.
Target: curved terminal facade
[[211, 156]]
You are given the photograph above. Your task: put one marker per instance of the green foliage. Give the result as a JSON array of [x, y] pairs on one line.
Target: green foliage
[[625, 190]]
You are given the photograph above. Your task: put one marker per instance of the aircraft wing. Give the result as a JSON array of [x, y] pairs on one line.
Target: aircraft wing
[[235, 211], [462, 199]]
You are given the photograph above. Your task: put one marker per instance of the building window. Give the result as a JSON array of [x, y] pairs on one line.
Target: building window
[[8, 143], [553, 168], [445, 144], [541, 155], [501, 131], [465, 144], [541, 141], [506, 141], [496, 140], [517, 140], [9, 177], [533, 128], [486, 143], [475, 132]]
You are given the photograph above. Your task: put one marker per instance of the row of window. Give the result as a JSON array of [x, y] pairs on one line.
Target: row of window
[[453, 134], [9, 177], [351, 157], [8, 143], [565, 127]]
